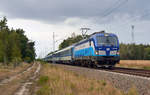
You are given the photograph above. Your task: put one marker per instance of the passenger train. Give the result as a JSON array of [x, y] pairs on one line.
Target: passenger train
[[99, 50]]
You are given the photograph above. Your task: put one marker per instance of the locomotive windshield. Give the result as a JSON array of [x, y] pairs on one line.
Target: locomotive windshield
[[106, 40]]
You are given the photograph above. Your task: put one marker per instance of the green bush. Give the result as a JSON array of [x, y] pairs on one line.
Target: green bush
[[43, 80]]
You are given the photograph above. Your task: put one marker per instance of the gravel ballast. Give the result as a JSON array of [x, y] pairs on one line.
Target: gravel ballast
[[120, 81]]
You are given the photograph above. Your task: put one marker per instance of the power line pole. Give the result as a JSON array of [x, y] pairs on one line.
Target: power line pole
[[84, 31], [53, 41], [132, 33]]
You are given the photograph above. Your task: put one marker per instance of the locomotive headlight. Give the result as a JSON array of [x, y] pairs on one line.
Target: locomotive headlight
[[101, 52], [113, 52], [118, 52], [96, 52]]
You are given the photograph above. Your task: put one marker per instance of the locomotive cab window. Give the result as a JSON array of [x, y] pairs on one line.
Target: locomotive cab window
[[106, 40]]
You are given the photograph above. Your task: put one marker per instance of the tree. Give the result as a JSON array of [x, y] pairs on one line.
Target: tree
[[147, 53], [15, 49], [3, 23], [14, 45], [69, 41], [4, 35], [1, 51], [30, 51]]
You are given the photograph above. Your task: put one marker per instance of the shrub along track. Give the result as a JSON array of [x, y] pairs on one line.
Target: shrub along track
[[12, 85]]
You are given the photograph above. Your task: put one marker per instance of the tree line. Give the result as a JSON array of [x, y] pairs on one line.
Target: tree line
[[127, 51], [14, 45], [134, 51]]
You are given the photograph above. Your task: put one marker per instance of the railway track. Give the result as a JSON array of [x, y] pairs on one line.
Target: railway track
[[130, 71]]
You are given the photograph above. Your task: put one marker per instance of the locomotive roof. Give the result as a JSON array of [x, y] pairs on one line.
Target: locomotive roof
[[102, 33], [69, 47]]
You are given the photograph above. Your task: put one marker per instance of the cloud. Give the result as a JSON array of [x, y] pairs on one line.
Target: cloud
[[40, 18], [42, 33], [53, 11]]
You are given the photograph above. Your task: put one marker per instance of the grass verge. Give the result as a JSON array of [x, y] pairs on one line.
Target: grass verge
[[57, 81]]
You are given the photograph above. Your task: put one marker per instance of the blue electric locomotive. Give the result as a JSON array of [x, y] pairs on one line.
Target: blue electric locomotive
[[100, 49]]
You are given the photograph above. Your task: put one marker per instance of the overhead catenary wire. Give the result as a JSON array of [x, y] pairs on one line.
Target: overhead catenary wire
[[107, 12], [110, 7], [130, 23], [134, 19], [114, 7]]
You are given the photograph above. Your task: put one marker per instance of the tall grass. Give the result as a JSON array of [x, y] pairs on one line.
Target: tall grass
[[143, 64], [56, 81]]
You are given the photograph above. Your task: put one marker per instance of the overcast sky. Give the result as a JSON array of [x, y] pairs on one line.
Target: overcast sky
[[40, 18]]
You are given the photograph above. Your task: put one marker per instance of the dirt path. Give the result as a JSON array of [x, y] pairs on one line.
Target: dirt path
[[7, 72], [7, 80], [17, 84], [25, 87]]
